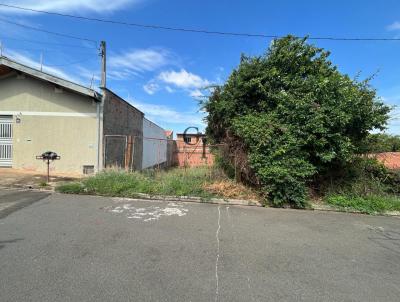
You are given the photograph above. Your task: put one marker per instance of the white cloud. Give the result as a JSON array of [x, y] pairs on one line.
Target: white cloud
[[196, 93], [394, 26], [151, 87], [79, 6], [169, 89], [120, 74], [164, 114], [137, 61], [183, 79]]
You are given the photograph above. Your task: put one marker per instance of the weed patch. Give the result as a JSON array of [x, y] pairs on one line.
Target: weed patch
[[371, 204], [70, 188], [177, 182]]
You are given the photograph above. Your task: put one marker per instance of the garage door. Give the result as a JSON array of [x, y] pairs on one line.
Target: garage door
[[6, 138]]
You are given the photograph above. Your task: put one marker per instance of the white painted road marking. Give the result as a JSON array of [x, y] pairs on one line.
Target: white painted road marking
[[149, 213]]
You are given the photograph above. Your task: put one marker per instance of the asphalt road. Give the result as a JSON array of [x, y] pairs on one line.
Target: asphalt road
[[82, 248], [11, 201]]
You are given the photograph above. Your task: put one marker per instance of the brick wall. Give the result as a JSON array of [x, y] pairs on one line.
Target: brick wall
[[120, 121], [193, 154]]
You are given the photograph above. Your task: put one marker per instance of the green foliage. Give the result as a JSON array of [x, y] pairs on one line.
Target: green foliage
[[70, 188], [295, 115], [188, 182], [115, 183], [366, 186], [380, 142], [371, 204], [223, 163], [363, 177], [43, 184]]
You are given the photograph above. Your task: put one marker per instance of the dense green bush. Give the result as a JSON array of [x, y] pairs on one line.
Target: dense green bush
[[294, 115]]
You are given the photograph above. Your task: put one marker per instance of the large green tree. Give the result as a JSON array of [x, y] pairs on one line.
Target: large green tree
[[294, 115]]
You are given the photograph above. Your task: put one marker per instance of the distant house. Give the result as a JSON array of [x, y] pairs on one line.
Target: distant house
[[90, 130], [169, 134]]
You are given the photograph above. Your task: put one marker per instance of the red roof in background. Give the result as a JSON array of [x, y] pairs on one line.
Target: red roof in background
[[169, 133]]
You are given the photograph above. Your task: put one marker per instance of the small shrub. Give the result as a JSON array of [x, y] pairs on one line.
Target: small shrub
[[70, 188], [117, 183]]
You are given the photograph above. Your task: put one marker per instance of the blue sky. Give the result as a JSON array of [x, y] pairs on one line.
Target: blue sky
[[163, 72]]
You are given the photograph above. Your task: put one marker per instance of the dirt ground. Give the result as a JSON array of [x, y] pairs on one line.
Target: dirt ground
[[13, 178]]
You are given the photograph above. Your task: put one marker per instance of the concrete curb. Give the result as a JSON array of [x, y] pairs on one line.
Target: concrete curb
[[328, 208], [227, 201]]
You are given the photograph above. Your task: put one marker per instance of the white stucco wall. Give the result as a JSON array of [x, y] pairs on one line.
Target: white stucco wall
[[154, 144]]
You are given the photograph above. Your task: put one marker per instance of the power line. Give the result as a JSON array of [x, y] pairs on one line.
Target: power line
[[48, 32], [71, 63], [47, 50], [191, 30], [47, 43]]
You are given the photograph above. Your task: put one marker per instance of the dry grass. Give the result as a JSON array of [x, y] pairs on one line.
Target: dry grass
[[231, 189]]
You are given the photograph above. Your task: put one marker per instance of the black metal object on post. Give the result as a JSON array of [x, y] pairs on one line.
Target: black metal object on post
[[198, 134], [185, 135], [204, 141], [47, 157]]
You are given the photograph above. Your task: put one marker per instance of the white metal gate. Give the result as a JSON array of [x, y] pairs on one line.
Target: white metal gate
[[6, 141]]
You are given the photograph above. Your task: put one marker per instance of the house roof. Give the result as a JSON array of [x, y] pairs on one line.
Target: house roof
[[169, 132], [7, 64]]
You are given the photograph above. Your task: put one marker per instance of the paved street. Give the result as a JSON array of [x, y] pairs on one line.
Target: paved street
[[83, 248], [11, 201]]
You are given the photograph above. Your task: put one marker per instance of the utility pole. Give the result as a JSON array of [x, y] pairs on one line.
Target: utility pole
[[103, 64], [100, 147]]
